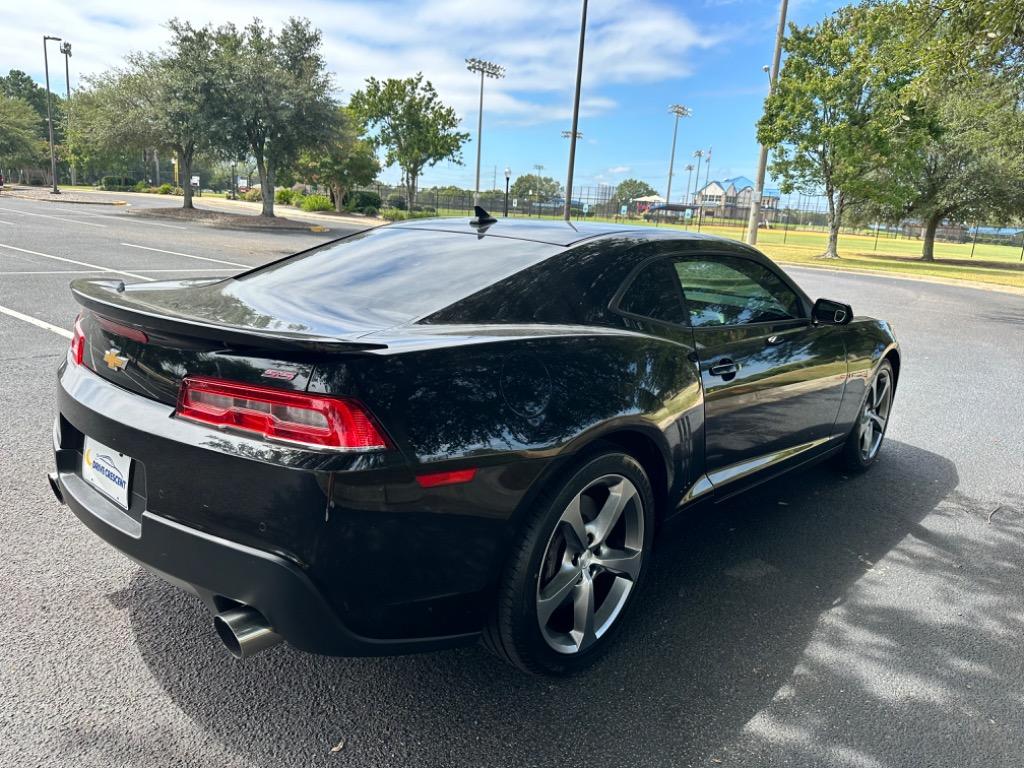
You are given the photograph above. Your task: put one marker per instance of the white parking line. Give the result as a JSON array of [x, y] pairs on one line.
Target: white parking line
[[186, 255], [79, 263], [57, 218], [36, 322], [95, 271], [133, 220], [8, 223]]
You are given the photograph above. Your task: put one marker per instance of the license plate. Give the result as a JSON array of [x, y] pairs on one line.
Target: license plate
[[106, 470]]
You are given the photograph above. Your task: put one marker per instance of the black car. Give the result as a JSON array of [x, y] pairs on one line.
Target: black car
[[440, 431]]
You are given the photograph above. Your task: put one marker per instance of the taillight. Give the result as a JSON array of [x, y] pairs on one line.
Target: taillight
[[276, 414], [453, 477], [78, 342]]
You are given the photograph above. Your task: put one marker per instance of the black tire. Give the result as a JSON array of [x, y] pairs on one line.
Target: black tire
[[853, 459], [513, 631]]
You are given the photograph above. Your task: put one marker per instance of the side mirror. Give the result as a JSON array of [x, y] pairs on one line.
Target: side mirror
[[828, 312]]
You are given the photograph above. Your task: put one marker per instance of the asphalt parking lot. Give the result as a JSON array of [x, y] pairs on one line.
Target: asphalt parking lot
[[822, 620]]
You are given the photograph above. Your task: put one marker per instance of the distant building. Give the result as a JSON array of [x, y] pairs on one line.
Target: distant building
[[730, 199]]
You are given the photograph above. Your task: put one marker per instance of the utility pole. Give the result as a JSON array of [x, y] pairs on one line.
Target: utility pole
[[689, 178], [567, 212], [66, 50], [49, 116], [486, 69], [679, 111], [762, 161]]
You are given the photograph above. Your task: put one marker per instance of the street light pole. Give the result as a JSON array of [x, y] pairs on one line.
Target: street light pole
[[567, 212], [49, 115], [66, 50], [762, 161], [679, 111], [508, 175], [486, 69]]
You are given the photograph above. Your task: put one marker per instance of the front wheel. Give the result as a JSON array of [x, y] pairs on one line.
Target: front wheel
[[578, 566], [865, 440]]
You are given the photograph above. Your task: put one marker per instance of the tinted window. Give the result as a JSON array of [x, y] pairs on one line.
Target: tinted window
[[654, 293], [386, 276], [732, 291]]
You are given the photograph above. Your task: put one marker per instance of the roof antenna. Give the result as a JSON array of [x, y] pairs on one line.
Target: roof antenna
[[483, 218]]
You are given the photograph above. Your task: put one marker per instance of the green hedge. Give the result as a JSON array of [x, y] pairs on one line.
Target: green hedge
[[317, 203]]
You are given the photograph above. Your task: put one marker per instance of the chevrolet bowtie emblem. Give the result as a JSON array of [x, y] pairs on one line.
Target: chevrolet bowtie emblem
[[114, 361]]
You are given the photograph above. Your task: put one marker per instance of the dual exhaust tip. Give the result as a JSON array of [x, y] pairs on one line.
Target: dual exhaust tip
[[244, 632]]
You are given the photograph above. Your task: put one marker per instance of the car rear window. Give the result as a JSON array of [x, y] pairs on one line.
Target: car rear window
[[391, 275]]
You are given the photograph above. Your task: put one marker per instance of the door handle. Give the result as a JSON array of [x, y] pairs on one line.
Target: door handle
[[725, 368]]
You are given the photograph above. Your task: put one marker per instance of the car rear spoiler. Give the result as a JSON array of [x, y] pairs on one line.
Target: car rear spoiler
[[109, 299]]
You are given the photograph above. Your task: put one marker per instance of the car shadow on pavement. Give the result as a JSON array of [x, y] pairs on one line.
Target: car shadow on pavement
[[736, 595]]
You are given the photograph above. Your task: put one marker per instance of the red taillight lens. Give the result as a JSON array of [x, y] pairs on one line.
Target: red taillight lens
[[78, 342], [277, 414], [446, 478]]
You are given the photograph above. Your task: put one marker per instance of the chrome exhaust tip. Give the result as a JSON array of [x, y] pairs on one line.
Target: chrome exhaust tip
[[244, 632], [55, 486]]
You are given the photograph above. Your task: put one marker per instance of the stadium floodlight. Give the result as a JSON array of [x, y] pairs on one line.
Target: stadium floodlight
[[486, 69], [679, 111]]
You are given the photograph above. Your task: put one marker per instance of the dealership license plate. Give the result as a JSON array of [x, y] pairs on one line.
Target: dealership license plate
[[107, 470]]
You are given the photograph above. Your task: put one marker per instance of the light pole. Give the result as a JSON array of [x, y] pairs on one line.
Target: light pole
[[508, 175], [679, 111], [762, 160], [49, 115], [567, 211], [689, 178], [66, 50], [486, 69]]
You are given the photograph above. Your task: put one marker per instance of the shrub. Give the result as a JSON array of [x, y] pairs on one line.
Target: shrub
[[283, 196], [164, 189], [141, 187], [253, 196], [397, 202], [317, 203], [369, 210], [393, 214], [428, 210], [297, 198], [361, 199]]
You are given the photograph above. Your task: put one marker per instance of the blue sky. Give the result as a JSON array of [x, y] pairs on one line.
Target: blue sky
[[642, 55]]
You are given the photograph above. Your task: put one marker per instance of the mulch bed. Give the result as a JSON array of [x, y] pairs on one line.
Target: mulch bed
[[227, 220]]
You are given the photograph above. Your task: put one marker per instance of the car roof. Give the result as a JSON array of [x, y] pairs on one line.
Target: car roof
[[551, 231]]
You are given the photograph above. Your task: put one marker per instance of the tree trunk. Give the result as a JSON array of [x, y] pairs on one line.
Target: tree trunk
[[928, 252], [185, 159], [410, 189], [835, 218], [339, 196], [266, 174]]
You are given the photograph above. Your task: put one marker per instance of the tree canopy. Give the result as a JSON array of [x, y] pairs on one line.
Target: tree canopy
[[630, 189], [344, 161], [538, 187], [410, 122], [19, 131]]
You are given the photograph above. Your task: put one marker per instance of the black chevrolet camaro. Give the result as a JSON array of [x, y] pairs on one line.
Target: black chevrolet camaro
[[445, 430]]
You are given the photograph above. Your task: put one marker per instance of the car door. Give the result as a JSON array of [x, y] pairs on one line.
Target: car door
[[773, 380]]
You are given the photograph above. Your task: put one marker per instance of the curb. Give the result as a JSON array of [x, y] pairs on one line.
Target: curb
[[56, 199]]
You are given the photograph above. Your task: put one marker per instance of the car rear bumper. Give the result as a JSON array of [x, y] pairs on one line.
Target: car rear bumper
[[289, 592]]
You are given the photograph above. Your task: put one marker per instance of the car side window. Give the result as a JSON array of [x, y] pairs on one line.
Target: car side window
[[723, 290], [654, 293]]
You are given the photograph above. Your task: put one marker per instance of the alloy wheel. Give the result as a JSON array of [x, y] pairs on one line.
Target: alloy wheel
[[875, 414], [591, 564]]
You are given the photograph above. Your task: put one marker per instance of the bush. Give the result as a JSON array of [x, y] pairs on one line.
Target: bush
[[317, 203], [393, 214], [297, 198], [428, 210], [397, 202], [164, 189], [369, 210], [253, 196], [141, 187], [361, 199], [283, 196]]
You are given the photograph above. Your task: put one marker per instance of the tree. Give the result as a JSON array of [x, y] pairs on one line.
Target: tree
[[538, 187], [411, 123], [629, 189], [344, 162], [19, 131], [835, 112], [18, 85], [970, 165], [271, 97]]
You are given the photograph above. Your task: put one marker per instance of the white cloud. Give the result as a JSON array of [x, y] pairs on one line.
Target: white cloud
[[628, 41], [619, 169]]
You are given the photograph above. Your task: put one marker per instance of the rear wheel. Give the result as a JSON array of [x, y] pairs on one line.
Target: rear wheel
[[576, 569], [865, 440]]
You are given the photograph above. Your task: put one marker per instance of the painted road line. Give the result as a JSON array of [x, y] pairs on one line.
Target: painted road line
[[79, 263], [188, 255], [56, 218], [133, 220], [36, 322], [8, 223]]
